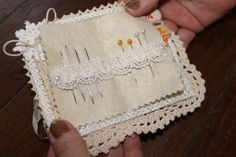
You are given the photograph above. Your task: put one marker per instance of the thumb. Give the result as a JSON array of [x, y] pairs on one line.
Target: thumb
[[66, 141], [140, 7]]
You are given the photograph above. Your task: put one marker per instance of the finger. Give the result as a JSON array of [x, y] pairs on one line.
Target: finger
[[51, 152], [140, 7], [132, 147], [177, 13], [66, 141], [116, 152], [186, 36], [172, 26]]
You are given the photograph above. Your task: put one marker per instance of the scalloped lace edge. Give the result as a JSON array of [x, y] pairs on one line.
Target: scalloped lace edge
[[93, 13]]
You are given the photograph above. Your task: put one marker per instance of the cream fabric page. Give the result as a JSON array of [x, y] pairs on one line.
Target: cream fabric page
[[120, 94]]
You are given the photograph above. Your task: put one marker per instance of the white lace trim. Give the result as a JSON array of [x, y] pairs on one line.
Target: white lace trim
[[69, 77], [187, 93], [85, 130], [30, 36], [93, 13], [43, 98]]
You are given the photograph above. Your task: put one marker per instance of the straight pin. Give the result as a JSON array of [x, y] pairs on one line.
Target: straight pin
[[137, 36], [145, 37], [97, 83], [130, 43], [120, 43]]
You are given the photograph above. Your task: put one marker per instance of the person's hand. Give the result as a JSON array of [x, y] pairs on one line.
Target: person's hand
[[67, 142], [184, 17]]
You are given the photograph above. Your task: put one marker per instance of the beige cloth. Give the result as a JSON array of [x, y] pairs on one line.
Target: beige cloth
[[120, 94]]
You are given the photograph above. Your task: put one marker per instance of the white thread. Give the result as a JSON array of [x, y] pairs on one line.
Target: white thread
[[15, 41], [54, 13], [30, 36], [25, 44]]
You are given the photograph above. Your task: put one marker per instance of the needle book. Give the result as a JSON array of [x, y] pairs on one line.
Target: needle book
[[110, 74]]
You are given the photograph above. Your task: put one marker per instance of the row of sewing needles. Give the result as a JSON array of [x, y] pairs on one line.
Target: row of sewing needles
[[120, 43], [79, 86]]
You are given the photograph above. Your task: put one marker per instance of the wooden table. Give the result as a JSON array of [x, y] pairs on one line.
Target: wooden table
[[210, 131]]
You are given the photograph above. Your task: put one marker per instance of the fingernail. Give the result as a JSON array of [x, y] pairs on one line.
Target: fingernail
[[58, 128], [132, 4]]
